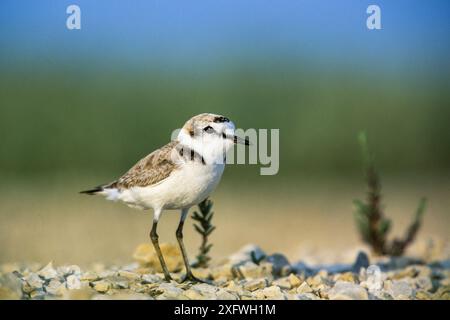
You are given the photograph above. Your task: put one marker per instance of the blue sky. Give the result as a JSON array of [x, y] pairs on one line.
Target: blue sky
[[415, 32]]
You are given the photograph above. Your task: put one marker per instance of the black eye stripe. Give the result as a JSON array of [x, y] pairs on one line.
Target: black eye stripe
[[221, 119], [208, 129]]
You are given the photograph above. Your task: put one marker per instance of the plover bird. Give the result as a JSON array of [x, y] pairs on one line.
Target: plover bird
[[179, 175]]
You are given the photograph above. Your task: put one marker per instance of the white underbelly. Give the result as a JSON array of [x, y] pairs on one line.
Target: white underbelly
[[185, 187]]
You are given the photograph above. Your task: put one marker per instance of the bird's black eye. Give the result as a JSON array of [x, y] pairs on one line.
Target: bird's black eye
[[208, 129]]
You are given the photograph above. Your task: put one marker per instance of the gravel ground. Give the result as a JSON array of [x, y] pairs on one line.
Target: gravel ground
[[248, 274]]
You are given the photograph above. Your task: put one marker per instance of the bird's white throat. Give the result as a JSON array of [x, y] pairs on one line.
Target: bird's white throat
[[212, 148]]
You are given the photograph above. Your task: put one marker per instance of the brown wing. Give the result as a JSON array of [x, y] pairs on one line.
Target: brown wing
[[152, 169]]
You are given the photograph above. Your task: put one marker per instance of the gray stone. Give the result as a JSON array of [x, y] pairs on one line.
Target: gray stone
[[48, 272], [10, 287], [151, 278], [201, 291], [250, 270], [55, 287], [128, 275], [424, 283], [69, 270], [34, 281], [280, 264], [118, 282], [399, 289], [347, 291], [73, 282], [307, 296], [170, 290], [226, 295], [362, 261]]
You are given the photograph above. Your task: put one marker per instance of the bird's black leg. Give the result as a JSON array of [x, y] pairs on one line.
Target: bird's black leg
[[154, 237], [189, 275]]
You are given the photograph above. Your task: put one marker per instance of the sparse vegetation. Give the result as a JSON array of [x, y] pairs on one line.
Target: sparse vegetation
[[204, 227], [372, 224]]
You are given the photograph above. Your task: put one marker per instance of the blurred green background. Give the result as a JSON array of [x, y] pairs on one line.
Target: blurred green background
[[78, 108]]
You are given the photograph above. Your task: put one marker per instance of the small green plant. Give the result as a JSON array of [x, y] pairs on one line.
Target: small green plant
[[204, 227], [373, 226]]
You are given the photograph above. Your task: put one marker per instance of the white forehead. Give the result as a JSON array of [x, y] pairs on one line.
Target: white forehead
[[218, 122]]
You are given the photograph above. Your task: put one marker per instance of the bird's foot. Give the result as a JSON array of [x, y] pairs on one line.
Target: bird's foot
[[189, 277], [168, 278]]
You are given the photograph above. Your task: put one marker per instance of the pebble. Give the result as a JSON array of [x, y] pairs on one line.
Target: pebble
[[399, 289], [151, 278], [37, 294], [55, 287], [283, 283], [280, 264], [234, 287], [69, 270], [347, 291], [242, 276], [273, 293], [443, 293], [304, 288], [34, 281], [10, 287], [102, 286], [250, 270], [347, 277], [201, 291], [48, 272], [226, 295], [89, 276], [423, 295], [170, 291], [252, 285], [307, 296], [224, 272], [294, 280], [424, 283], [128, 275], [73, 282], [362, 261]]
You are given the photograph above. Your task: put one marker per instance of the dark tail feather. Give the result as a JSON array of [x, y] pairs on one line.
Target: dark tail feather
[[93, 191]]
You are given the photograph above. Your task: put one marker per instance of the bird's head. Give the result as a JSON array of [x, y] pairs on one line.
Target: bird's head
[[209, 133]]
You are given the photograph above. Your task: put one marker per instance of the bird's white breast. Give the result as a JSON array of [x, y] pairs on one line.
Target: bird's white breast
[[187, 185]]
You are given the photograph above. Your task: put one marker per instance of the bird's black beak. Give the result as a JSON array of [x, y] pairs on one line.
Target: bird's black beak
[[238, 140]]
